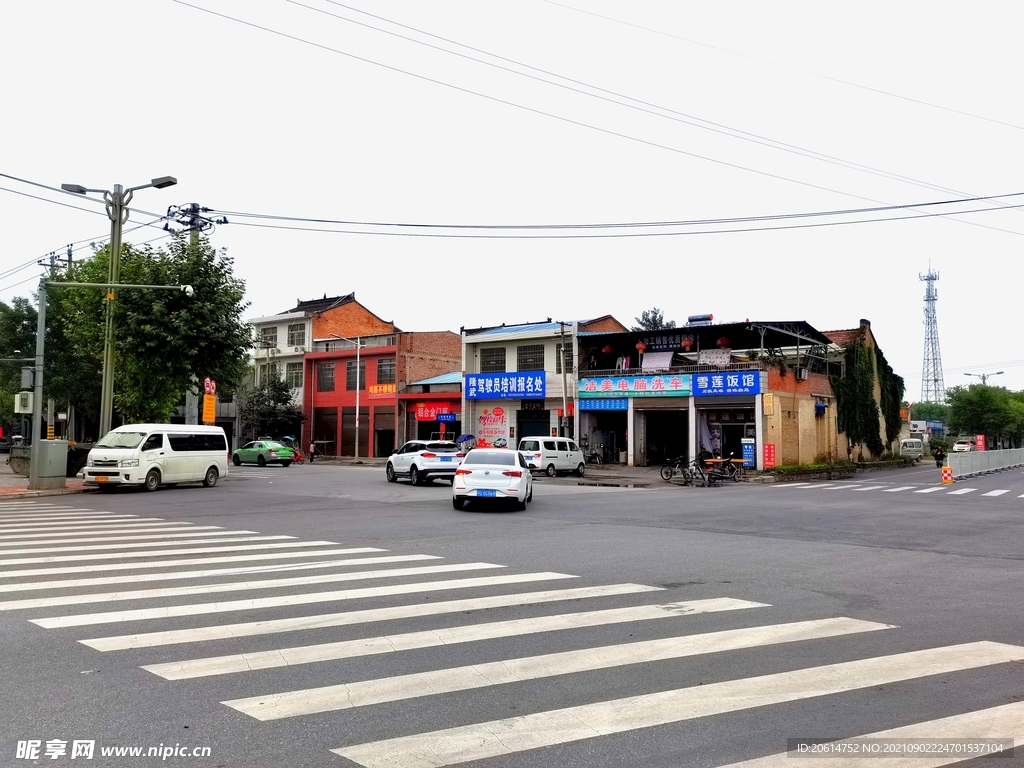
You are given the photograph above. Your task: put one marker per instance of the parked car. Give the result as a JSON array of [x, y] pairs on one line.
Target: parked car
[[152, 455], [552, 455], [424, 460], [492, 475], [911, 448], [963, 445], [263, 452]]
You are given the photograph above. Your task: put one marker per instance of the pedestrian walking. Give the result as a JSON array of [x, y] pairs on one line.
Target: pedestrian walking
[[312, 451]]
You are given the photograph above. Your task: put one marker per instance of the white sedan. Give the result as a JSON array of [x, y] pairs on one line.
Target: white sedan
[[492, 474]]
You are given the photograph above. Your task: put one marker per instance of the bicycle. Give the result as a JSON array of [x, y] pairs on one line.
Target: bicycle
[[675, 467], [594, 455]]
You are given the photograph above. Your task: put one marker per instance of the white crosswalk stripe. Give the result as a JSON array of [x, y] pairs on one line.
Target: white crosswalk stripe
[[275, 706], [347, 649], [932, 490], [158, 552], [518, 734], [98, 568], [193, 533], [141, 534], [996, 493], [961, 492], [132, 545], [869, 488], [900, 488]]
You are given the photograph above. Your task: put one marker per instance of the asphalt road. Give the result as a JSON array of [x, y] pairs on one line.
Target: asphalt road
[[604, 626]]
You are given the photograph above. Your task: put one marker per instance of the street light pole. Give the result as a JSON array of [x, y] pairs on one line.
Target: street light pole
[[117, 211], [984, 376]]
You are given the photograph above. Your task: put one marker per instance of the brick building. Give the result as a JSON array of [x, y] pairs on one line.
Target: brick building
[[358, 365]]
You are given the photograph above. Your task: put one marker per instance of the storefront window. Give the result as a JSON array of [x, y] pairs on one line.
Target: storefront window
[[386, 370], [325, 377], [492, 360], [530, 357]]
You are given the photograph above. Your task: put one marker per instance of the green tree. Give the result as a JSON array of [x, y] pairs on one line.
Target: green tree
[[928, 411], [856, 408], [17, 339], [653, 320], [979, 409], [165, 341], [268, 408]]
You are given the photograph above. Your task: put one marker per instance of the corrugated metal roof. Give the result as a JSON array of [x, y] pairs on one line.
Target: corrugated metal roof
[[455, 377], [530, 327]]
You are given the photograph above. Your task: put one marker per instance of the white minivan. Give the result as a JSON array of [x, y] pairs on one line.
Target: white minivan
[[152, 455], [552, 455], [912, 448]]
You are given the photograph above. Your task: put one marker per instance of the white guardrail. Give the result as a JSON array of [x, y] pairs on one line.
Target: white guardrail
[[970, 463]]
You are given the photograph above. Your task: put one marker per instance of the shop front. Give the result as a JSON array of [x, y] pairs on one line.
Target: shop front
[[437, 419], [727, 414], [503, 407]]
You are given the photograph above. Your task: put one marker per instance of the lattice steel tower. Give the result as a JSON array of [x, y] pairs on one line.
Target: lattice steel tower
[[932, 387]]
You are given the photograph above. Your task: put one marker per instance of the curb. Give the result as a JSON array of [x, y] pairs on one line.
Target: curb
[[27, 494]]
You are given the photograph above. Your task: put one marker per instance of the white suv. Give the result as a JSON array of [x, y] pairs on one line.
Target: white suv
[[552, 455], [424, 460]]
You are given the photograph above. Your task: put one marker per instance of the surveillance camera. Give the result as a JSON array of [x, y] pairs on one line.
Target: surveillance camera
[[188, 290]]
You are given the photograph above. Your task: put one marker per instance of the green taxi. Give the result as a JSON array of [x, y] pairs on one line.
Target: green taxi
[[263, 452]]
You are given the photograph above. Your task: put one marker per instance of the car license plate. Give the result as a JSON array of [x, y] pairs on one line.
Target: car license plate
[[101, 478], [446, 458], [489, 493]]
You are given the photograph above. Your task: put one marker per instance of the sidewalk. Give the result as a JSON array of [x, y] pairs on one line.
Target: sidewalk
[[14, 486]]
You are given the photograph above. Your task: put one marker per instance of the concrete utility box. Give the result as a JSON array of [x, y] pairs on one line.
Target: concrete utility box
[[53, 462]]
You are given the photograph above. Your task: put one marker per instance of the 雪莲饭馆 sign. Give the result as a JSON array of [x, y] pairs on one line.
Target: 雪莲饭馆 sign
[[727, 383]]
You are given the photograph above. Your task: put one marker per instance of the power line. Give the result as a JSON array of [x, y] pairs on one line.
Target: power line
[[791, 68], [552, 115], [614, 234], [619, 225], [54, 202], [675, 115]]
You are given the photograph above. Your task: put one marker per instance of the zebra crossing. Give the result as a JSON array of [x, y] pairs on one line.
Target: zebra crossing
[[884, 488], [107, 566]]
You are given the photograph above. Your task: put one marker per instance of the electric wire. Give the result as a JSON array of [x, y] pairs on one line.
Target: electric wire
[[675, 115], [849, 83], [54, 202], [47, 186], [634, 224], [552, 115], [614, 234]]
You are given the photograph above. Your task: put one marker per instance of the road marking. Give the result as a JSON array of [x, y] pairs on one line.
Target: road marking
[[331, 698], [190, 534], [869, 488], [901, 488], [789, 485], [367, 616], [848, 487], [932, 490], [77, 526], [132, 545], [158, 552], [1003, 722], [961, 492], [34, 517], [542, 729], [93, 568], [253, 604], [240, 586], [176, 575], [347, 649], [996, 493], [140, 534], [817, 485]]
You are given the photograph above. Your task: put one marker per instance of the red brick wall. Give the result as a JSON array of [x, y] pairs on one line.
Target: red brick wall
[[817, 383], [350, 320], [424, 354], [607, 325]]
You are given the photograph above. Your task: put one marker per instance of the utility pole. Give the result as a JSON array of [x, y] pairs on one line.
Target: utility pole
[[117, 201], [565, 405]]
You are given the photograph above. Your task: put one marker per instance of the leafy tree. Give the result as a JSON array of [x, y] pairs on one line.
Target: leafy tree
[[165, 341], [17, 339], [653, 320], [984, 410], [928, 411], [268, 409]]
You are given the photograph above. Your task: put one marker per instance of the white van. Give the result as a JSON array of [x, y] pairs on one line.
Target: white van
[[152, 455], [912, 449], [552, 454]]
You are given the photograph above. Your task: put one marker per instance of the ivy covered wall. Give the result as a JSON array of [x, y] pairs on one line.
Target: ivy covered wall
[[865, 414]]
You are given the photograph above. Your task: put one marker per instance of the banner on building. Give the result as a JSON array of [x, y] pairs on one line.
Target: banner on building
[[505, 386], [668, 385], [729, 383], [428, 411]]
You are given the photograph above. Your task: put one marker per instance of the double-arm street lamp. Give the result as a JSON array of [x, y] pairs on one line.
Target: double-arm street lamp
[[117, 210], [984, 376], [359, 381]]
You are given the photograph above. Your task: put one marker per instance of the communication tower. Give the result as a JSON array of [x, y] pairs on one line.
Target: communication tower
[[933, 389]]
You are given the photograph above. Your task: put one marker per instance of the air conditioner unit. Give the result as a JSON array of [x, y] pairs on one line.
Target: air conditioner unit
[[299, 349], [273, 353], [801, 374]]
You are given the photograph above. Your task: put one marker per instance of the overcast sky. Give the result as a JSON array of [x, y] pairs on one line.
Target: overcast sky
[[317, 116]]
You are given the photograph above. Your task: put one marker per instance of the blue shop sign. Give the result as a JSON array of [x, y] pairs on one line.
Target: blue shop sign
[[505, 386], [605, 404], [727, 383], [449, 417], [749, 445]]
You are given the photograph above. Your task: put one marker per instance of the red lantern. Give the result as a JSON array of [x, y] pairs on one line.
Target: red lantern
[[723, 342], [640, 346], [607, 349]]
